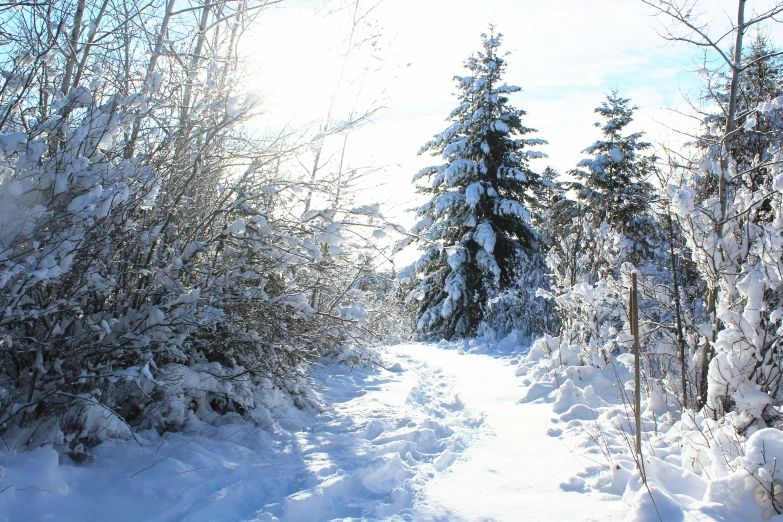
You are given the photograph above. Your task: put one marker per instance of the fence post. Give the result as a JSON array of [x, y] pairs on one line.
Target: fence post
[[637, 373]]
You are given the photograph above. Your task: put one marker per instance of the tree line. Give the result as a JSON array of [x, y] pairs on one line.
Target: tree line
[[163, 260], [508, 249]]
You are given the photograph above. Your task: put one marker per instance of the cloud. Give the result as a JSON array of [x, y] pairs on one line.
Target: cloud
[[565, 56]]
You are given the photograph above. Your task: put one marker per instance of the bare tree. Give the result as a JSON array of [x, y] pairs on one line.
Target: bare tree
[[681, 22], [154, 263]]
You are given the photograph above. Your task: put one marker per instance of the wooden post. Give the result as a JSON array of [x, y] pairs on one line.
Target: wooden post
[[637, 373]]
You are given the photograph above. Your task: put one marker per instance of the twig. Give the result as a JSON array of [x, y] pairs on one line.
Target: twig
[[152, 465], [194, 469], [161, 443]]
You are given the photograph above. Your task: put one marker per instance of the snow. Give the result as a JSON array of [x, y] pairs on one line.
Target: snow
[[442, 436], [237, 227], [456, 256], [154, 83], [12, 143], [190, 297], [512, 207], [331, 235], [298, 302], [460, 431], [354, 312], [513, 470], [473, 194], [749, 398], [694, 467], [616, 154], [485, 236]]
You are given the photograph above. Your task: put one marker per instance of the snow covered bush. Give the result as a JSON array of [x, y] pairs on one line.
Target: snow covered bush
[[591, 302], [728, 206], [591, 281], [521, 307], [740, 258], [153, 264], [725, 197]]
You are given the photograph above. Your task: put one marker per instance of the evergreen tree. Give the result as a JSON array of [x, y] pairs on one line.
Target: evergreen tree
[[557, 211], [551, 190], [478, 227], [613, 183]]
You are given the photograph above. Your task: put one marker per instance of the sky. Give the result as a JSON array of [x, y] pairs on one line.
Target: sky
[[565, 55]]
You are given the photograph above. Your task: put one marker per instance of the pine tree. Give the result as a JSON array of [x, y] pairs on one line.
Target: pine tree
[[477, 228], [557, 211], [613, 183], [551, 189]]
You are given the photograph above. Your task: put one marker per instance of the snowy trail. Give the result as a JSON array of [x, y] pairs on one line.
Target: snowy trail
[[513, 471], [445, 439]]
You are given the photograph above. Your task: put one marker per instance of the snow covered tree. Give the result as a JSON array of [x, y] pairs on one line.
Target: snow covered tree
[[155, 266], [728, 204], [549, 193], [760, 114], [733, 228], [557, 210], [613, 182], [477, 228]]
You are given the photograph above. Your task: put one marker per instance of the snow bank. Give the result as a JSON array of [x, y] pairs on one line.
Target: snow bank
[[755, 487], [696, 468]]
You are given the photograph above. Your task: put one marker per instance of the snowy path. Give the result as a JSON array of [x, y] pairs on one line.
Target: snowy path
[[513, 470], [446, 439]]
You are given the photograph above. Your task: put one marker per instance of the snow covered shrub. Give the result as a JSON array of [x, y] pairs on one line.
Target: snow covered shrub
[[153, 266], [591, 302], [591, 282], [758, 471], [109, 297], [727, 203], [741, 260], [733, 232], [521, 307]]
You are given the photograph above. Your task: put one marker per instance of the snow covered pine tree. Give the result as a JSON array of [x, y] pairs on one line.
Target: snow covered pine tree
[[614, 186], [476, 231]]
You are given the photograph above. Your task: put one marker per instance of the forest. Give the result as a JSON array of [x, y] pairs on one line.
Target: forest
[[174, 261]]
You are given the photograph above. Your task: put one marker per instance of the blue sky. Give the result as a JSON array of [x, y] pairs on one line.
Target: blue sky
[[566, 54]]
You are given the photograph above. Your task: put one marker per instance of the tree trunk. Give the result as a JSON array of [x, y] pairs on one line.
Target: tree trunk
[[194, 62], [130, 149], [73, 43], [723, 188], [678, 312]]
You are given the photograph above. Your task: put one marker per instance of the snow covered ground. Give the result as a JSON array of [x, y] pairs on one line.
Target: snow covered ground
[[513, 470], [440, 436]]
